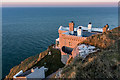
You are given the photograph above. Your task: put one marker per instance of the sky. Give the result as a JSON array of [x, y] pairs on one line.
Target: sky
[[60, 3]]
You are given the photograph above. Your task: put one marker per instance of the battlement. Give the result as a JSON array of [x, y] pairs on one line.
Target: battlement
[[69, 36]]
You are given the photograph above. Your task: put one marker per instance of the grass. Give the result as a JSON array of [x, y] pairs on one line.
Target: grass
[[53, 61], [27, 63], [105, 63], [104, 40]]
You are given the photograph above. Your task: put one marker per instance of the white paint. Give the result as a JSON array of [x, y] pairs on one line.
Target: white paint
[[97, 29], [72, 32], [79, 32], [83, 28], [57, 39], [84, 50], [64, 28], [38, 73], [49, 53], [35, 73], [89, 27], [19, 73], [75, 29], [93, 29]]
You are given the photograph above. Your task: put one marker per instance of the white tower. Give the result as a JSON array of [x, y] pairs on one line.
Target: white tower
[[90, 27], [79, 32]]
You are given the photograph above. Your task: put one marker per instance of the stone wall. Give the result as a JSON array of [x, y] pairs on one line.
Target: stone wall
[[69, 40]]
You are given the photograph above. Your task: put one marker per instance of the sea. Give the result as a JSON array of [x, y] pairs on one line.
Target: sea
[[27, 31]]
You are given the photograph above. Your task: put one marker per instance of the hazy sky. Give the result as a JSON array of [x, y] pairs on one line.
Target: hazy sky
[[60, 3], [60, 0]]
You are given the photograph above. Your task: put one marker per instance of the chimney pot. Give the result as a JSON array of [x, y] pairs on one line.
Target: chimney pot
[[79, 32], [71, 27], [89, 27]]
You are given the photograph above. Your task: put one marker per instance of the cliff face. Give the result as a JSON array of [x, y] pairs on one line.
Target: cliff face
[[51, 61], [102, 64], [26, 64], [104, 40]]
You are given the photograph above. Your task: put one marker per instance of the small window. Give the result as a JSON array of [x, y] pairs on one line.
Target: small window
[[57, 42], [83, 46], [70, 44]]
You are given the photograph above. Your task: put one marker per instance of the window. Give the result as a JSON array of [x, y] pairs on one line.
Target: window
[[70, 44], [57, 42]]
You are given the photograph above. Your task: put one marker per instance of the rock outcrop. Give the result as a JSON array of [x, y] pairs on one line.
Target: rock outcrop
[[26, 64], [102, 64], [51, 59]]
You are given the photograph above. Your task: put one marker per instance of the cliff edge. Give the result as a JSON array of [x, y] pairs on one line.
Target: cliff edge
[[102, 64], [39, 60]]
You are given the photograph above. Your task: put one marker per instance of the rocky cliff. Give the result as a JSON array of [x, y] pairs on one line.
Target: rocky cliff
[[51, 61], [26, 64], [102, 64]]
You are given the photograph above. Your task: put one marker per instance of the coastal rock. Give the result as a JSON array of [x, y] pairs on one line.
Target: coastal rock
[[101, 64], [26, 64]]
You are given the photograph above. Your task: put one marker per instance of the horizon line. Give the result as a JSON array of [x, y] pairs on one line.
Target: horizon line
[[59, 4]]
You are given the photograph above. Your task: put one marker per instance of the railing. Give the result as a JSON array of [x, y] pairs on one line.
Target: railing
[[84, 28], [64, 28], [97, 29], [93, 29]]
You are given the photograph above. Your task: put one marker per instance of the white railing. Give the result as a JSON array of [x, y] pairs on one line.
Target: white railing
[[64, 28], [20, 72], [93, 29], [97, 29], [84, 28]]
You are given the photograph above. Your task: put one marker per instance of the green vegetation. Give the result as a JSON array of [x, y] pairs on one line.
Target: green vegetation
[[104, 40], [53, 62], [27, 63], [102, 64]]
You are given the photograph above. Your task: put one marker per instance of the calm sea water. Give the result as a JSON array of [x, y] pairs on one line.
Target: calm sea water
[[29, 31]]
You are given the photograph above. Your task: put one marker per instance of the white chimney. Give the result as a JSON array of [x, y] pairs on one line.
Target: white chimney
[[89, 27], [79, 31]]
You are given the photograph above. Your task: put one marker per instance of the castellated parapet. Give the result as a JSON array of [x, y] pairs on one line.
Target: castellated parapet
[[69, 40], [69, 37]]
